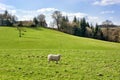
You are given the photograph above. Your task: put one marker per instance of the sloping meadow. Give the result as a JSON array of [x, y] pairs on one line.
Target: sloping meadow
[[25, 58]]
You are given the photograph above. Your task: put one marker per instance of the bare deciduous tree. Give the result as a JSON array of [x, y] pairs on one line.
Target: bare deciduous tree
[[57, 16], [19, 28], [41, 20]]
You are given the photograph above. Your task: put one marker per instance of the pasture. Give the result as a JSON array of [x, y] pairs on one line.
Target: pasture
[[25, 58]]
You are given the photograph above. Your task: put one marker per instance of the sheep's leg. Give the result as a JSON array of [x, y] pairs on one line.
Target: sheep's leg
[[48, 61]]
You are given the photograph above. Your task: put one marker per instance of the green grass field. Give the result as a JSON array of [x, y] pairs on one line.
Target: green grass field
[[25, 58]]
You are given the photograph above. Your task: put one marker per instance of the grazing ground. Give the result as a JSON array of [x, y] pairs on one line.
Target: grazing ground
[[25, 58]]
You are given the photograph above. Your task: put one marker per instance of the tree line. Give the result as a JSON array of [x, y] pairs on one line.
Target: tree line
[[7, 19], [78, 27]]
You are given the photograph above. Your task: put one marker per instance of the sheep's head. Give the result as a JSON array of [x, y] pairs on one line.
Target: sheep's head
[[59, 55]]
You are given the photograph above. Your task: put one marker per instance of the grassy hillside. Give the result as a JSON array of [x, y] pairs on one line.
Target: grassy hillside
[[49, 39], [25, 58]]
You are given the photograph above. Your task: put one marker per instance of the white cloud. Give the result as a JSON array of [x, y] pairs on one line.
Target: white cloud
[[111, 17], [94, 19], [78, 14], [25, 17], [13, 12], [26, 11], [30, 14], [46, 9], [5, 7], [106, 2], [107, 12], [11, 9]]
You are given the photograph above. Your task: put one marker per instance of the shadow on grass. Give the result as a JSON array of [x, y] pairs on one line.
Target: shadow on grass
[[36, 28], [30, 37]]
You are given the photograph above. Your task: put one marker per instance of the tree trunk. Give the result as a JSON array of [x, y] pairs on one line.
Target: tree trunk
[[20, 33]]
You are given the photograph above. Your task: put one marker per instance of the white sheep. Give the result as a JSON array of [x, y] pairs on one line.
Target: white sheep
[[52, 57]]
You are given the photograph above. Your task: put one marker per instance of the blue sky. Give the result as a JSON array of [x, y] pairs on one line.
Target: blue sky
[[96, 11]]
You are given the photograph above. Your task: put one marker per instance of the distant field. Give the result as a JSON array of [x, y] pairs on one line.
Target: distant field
[[25, 58]]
